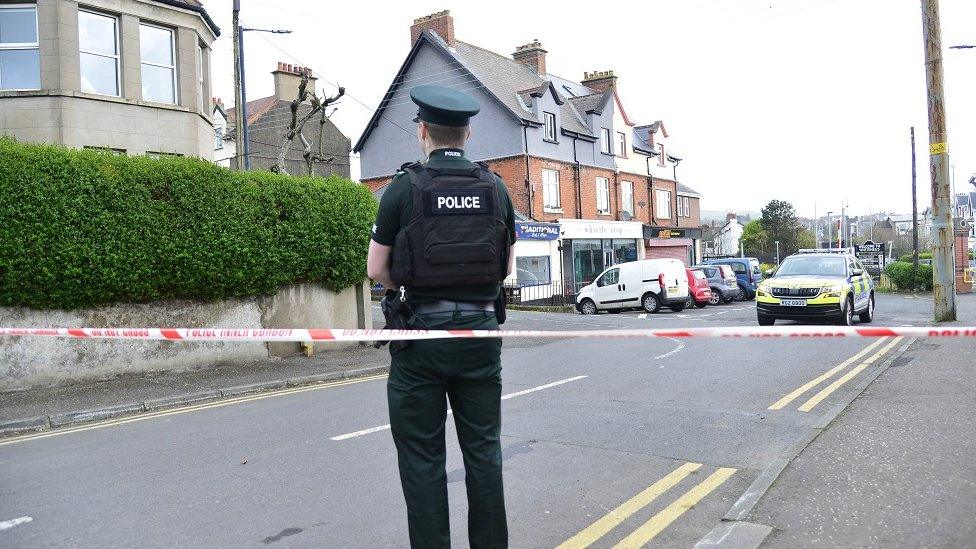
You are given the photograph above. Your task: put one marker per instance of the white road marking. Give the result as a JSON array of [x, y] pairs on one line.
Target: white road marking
[[681, 345], [7, 524], [642, 315], [541, 387], [504, 397]]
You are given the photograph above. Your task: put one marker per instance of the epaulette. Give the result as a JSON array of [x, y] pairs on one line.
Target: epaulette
[[407, 165]]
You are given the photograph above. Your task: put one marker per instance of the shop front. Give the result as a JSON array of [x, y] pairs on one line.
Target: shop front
[[673, 243], [589, 246], [537, 274]]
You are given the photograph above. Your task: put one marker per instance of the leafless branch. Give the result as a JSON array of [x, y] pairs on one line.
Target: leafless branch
[[297, 125]]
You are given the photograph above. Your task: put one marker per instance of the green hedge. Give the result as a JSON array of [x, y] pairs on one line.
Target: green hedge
[[80, 228], [908, 257], [900, 273]]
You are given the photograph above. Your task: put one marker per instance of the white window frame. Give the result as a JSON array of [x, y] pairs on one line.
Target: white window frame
[[622, 144], [603, 195], [627, 197], [687, 205], [606, 145], [117, 56], [662, 197], [36, 45], [660, 155], [550, 191], [172, 48], [549, 127], [218, 138], [203, 102]]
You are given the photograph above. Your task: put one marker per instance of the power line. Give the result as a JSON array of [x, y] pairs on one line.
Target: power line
[[333, 84]]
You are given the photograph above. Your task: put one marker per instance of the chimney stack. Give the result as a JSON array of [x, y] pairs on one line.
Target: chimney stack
[[533, 56], [218, 101], [730, 217], [441, 23], [288, 77], [600, 80]]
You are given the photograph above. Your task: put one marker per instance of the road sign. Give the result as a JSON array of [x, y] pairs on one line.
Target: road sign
[[872, 255]]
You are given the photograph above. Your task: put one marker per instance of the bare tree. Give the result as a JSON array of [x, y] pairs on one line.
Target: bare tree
[[298, 124]]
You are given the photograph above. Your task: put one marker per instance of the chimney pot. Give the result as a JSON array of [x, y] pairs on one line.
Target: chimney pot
[[287, 79], [441, 23]]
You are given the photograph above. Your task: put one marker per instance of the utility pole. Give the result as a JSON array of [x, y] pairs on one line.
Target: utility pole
[[943, 258], [777, 253], [914, 218], [238, 103]]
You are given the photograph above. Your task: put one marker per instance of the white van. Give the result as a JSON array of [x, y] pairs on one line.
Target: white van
[[648, 283]]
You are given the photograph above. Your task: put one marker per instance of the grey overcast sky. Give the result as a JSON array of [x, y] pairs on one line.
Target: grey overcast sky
[[808, 101]]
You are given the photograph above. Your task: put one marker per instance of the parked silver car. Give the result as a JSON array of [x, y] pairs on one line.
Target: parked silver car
[[721, 278]]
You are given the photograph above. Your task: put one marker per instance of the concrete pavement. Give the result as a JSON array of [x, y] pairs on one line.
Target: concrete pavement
[[655, 443]]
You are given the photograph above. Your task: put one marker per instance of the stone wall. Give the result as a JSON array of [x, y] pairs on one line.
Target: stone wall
[[34, 361]]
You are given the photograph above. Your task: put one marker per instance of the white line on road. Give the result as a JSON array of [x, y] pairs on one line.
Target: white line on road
[[7, 524], [541, 387], [504, 397], [642, 315], [681, 345]]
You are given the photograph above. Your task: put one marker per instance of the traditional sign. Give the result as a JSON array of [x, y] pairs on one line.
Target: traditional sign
[[525, 230]]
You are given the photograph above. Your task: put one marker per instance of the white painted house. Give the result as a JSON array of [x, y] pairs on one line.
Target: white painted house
[[726, 242]]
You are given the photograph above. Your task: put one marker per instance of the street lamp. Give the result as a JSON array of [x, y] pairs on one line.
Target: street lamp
[[243, 132], [777, 253], [829, 239]]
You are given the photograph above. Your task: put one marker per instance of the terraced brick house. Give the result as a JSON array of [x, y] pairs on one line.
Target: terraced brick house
[[591, 187]]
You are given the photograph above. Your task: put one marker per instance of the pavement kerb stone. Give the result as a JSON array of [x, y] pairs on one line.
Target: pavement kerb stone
[[748, 501], [84, 416], [26, 424], [180, 400], [254, 387]]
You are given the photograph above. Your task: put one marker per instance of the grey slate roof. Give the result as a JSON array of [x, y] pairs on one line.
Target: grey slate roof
[[685, 189], [594, 102]]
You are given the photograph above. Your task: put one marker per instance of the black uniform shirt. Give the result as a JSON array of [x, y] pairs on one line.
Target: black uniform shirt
[[396, 208]]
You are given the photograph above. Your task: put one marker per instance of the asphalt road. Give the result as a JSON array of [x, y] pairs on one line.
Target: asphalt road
[[605, 441]]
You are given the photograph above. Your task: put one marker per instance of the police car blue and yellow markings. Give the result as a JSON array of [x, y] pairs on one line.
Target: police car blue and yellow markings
[[880, 347], [824, 280], [659, 521]]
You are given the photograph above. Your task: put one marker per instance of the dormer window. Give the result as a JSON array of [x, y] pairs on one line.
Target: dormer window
[[621, 144], [660, 154], [550, 126]]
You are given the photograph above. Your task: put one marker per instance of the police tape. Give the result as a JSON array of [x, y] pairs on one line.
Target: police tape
[[302, 335]]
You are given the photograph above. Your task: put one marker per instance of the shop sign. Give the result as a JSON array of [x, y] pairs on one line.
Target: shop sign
[[525, 230]]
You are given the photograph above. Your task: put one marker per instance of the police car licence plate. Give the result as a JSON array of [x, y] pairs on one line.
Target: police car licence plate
[[793, 302]]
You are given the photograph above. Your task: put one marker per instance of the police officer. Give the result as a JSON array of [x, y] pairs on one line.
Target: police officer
[[443, 239]]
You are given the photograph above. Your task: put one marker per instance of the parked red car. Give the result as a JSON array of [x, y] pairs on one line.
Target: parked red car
[[699, 292]]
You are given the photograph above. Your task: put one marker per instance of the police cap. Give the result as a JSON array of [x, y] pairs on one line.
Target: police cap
[[443, 106]]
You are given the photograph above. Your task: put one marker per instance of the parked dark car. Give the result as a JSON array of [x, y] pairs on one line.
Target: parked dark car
[[747, 272], [722, 281]]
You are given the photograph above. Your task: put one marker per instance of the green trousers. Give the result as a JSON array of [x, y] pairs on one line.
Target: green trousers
[[423, 378]]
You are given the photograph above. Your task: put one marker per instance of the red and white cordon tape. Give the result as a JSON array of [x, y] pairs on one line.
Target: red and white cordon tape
[[329, 334]]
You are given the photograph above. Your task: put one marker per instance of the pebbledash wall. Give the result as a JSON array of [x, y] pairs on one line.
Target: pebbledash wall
[[33, 361]]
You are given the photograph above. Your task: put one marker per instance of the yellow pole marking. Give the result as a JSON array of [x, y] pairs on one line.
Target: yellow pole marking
[[599, 528], [186, 409], [660, 521], [826, 391], [821, 378]]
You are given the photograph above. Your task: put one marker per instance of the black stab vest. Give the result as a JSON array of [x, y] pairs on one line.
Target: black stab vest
[[456, 235]]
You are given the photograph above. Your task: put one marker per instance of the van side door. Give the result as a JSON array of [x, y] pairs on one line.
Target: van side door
[[609, 292]]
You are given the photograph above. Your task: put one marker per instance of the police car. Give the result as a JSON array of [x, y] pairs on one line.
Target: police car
[[817, 285]]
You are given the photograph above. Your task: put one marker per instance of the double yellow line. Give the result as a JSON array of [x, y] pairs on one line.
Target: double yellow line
[[828, 390], [186, 409], [647, 531]]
